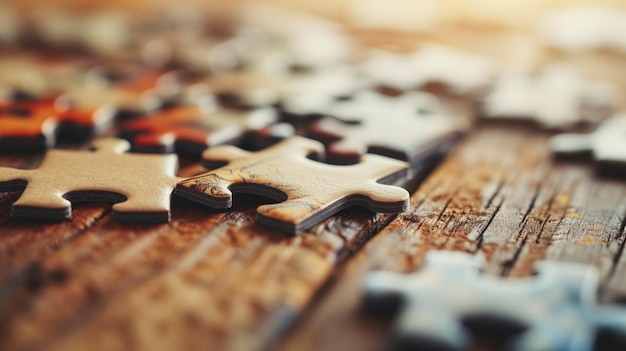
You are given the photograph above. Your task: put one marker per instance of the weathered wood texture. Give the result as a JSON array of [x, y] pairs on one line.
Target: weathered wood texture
[[216, 280], [207, 280], [502, 195]]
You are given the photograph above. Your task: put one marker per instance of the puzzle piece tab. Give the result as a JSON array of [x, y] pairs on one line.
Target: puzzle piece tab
[[408, 128], [607, 144], [192, 129], [554, 310], [308, 191], [139, 185], [557, 98]]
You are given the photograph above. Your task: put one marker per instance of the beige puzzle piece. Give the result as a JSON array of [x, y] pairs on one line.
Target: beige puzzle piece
[[308, 191], [261, 86], [38, 75], [140, 185], [460, 72], [557, 98], [118, 100]]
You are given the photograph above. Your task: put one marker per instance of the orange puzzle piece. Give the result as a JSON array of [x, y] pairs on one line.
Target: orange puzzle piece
[[36, 124], [192, 129]]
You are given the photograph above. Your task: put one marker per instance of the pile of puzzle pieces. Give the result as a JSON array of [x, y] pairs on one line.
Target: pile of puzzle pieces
[[291, 108], [176, 82], [172, 82], [166, 85]]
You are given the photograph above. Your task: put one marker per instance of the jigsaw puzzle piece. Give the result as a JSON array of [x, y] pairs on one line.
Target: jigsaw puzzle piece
[[307, 42], [557, 98], [555, 310], [33, 75], [104, 33], [607, 144], [249, 87], [192, 129], [310, 94], [423, 326], [409, 128], [273, 83], [585, 27], [122, 90], [138, 185], [10, 25], [308, 191], [36, 124], [27, 125], [455, 71]]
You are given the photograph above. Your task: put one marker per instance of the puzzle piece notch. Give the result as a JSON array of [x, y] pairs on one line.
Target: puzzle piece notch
[[607, 144], [308, 191], [138, 185], [193, 128], [410, 128], [553, 311], [556, 98]]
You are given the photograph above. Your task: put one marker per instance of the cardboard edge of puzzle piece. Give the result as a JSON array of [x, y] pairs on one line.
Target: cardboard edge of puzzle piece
[[266, 216], [310, 191], [107, 174]]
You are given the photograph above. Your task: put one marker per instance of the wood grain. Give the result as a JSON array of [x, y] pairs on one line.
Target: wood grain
[[502, 195], [206, 278], [217, 278]]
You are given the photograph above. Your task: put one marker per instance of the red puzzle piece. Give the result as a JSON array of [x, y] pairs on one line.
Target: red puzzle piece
[[36, 124], [192, 129]]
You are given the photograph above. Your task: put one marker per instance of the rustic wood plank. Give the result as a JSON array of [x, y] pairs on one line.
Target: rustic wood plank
[[206, 278], [501, 194]]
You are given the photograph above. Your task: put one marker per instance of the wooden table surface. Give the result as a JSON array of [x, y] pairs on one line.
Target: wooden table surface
[[215, 280]]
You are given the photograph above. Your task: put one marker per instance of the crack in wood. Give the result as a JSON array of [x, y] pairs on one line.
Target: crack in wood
[[620, 250], [531, 205], [495, 193], [479, 238]]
